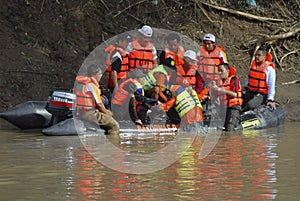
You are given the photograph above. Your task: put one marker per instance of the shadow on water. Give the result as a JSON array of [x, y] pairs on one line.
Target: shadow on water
[[246, 165]]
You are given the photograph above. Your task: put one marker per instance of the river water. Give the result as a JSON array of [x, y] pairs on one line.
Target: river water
[[256, 165]]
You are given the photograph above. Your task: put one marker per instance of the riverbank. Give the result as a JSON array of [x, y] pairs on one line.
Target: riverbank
[[42, 46]]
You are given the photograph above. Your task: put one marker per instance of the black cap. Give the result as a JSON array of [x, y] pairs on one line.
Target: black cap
[[169, 62], [125, 37]]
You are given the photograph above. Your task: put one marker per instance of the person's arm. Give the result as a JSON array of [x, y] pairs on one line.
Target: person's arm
[[143, 99], [271, 79], [116, 67], [222, 90], [169, 104], [199, 82], [160, 82], [129, 48], [97, 97], [162, 57], [224, 57], [154, 56]]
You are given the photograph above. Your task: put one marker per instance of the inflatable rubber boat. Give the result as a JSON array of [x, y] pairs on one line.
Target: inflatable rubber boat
[[56, 118]]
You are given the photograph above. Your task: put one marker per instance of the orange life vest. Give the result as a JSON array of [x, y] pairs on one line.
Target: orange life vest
[[257, 77], [190, 75], [85, 100], [230, 101], [121, 95], [178, 58], [141, 57], [208, 62], [124, 65]]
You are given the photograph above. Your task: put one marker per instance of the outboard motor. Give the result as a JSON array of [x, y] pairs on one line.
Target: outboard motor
[[61, 105]]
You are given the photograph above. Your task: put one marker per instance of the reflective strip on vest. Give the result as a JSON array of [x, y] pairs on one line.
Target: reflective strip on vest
[[150, 80], [184, 101]]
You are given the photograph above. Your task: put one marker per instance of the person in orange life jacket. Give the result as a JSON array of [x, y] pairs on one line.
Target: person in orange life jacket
[[157, 80], [191, 75], [141, 52], [209, 57], [117, 61], [260, 85], [187, 105], [89, 102], [129, 93], [173, 50], [230, 95]]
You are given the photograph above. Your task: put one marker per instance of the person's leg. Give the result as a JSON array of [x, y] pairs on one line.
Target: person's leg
[[133, 112], [173, 116], [117, 112], [246, 98], [256, 101], [142, 113], [232, 119], [108, 122]]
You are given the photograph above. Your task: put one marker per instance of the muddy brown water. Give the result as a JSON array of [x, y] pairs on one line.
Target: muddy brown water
[[250, 165]]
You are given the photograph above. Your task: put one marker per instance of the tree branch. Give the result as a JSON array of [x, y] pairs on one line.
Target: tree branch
[[244, 14]]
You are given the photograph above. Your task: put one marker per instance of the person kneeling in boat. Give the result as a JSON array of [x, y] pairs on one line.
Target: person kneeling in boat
[[230, 95], [89, 103], [186, 103], [157, 80], [130, 92]]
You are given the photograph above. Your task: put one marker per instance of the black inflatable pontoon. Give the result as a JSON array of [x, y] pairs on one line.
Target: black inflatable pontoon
[[55, 118]]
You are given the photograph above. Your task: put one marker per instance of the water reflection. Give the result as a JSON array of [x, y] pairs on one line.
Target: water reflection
[[242, 166]]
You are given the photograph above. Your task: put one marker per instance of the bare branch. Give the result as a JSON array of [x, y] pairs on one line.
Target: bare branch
[[128, 7], [291, 82], [244, 14], [204, 11], [276, 58], [292, 52]]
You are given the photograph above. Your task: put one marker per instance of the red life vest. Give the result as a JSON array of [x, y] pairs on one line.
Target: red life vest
[[141, 57], [230, 101], [121, 95], [190, 75], [208, 62], [124, 65], [177, 57], [257, 77], [85, 100]]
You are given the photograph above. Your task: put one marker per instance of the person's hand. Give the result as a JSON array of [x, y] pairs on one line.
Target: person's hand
[[151, 102], [271, 104], [185, 83], [213, 85], [159, 107], [109, 113]]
